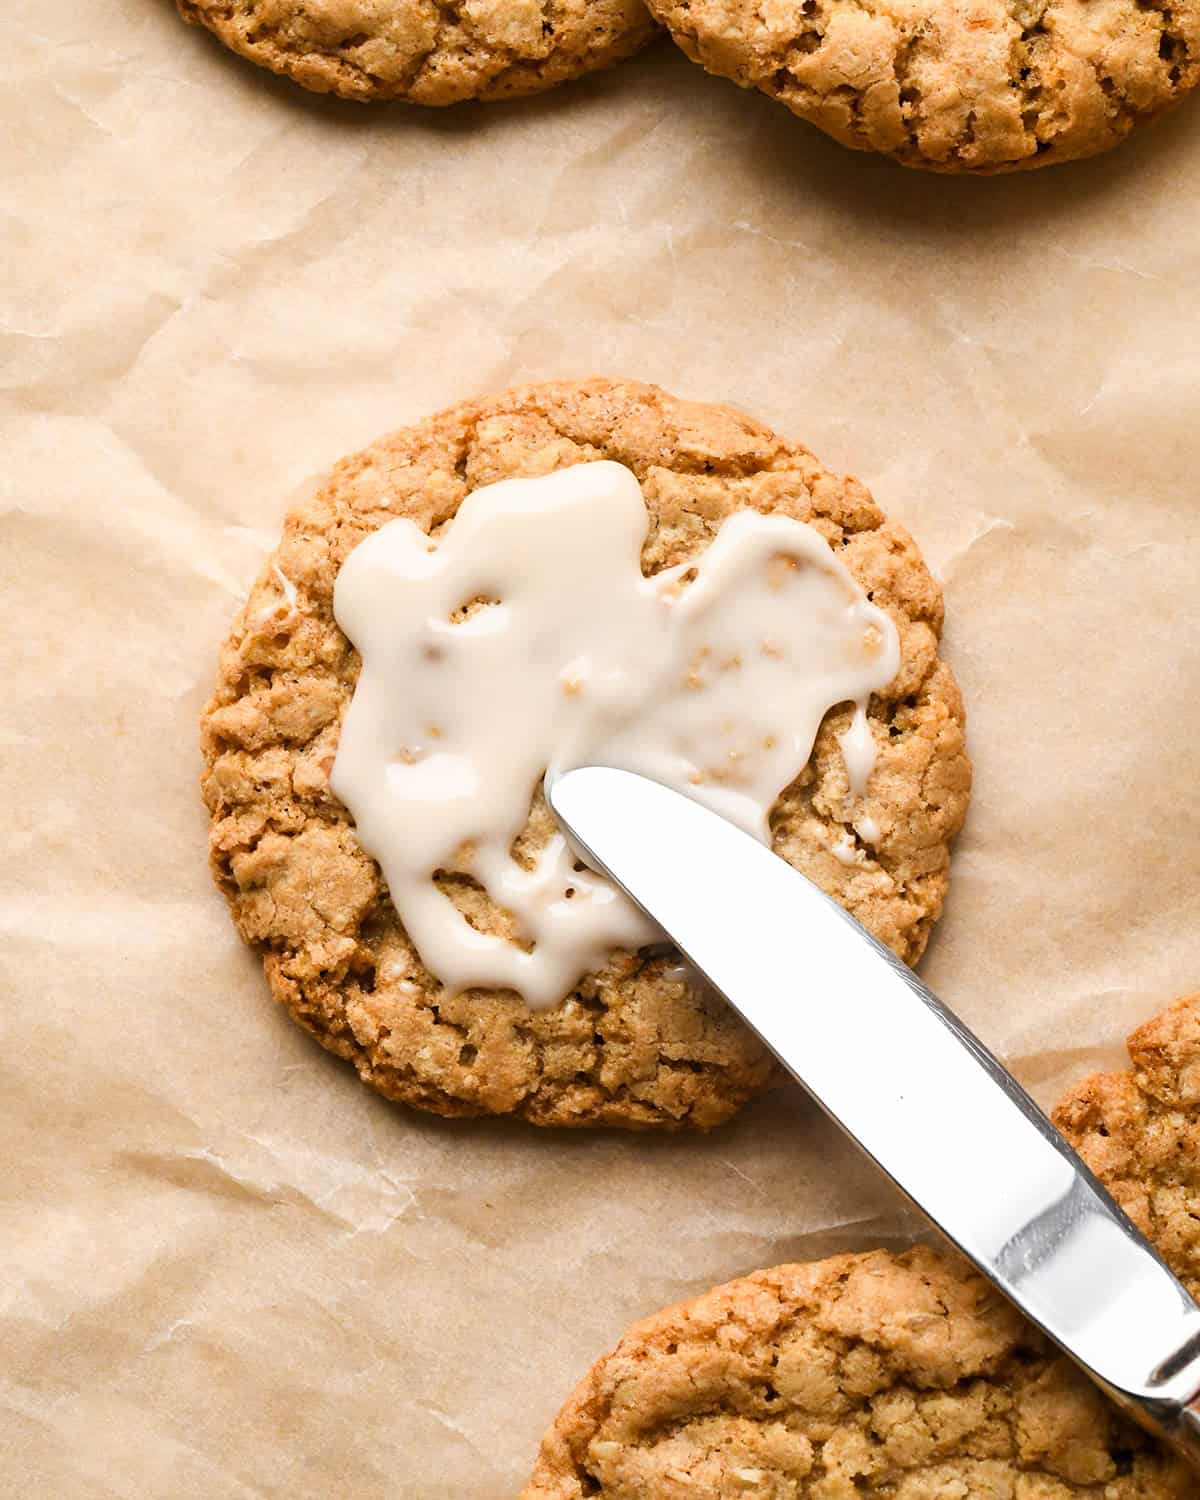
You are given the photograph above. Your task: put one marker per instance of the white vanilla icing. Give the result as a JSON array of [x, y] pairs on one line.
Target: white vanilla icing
[[867, 829], [285, 584], [525, 639], [844, 849], [858, 751]]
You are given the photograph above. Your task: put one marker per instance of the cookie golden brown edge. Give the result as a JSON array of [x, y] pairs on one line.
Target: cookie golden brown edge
[[906, 1376], [1139, 1131], [427, 51], [633, 1045], [954, 85]]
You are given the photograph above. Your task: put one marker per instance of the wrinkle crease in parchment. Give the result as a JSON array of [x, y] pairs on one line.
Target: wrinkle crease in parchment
[[230, 1271]]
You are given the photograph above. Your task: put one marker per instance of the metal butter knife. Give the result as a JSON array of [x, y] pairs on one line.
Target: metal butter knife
[[907, 1081]]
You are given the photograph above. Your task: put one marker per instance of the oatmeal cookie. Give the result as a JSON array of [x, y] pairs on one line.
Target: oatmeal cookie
[[905, 1376], [954, 85], [633, 1044], [427, 51], [1140, 1133]]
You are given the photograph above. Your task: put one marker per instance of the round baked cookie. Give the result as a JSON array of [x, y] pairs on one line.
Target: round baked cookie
[[905, 1376], [954, 85], [634, 1044], [1140, 1133], [427, 51]]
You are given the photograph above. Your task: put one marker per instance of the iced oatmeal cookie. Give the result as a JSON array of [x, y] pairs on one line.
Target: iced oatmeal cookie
[[633, 1043]]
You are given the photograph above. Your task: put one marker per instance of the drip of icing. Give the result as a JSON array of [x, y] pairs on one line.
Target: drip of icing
[[843, 849], [858, 751], [286, 585], [526, 639], [278, 610], [867, 829]]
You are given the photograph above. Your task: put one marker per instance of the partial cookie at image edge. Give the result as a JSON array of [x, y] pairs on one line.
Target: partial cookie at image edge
[[425, 51], [981, 88], [871, 1314], [869, 1374], [1139, 1131]]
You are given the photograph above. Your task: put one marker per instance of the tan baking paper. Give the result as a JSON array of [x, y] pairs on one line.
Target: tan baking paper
[[229, 1271]]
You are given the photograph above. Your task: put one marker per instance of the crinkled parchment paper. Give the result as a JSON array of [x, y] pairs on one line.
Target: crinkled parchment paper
[[229, 1271]]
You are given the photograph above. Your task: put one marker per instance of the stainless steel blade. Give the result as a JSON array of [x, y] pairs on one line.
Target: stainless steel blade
[[915, 1089]]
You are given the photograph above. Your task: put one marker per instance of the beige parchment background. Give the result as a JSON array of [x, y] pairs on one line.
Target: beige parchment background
[[228, 1271]]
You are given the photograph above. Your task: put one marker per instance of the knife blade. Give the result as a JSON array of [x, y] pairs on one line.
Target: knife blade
[[907, 1081]]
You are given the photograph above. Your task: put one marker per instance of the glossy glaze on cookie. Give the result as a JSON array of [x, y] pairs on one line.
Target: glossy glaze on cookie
[[527, 640], [632, 1045]]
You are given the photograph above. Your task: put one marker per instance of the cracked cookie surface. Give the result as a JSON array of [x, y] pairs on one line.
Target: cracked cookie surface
[[905, 1376], [1139, 1132], [954, 85], [633, 1044], [427, 51]]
